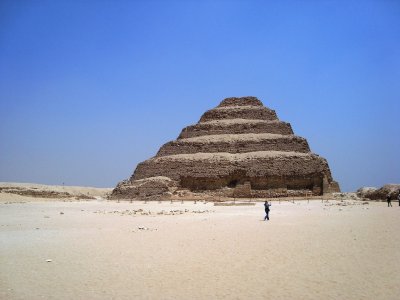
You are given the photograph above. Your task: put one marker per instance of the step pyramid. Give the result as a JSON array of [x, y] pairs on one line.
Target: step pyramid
[[238, 149]]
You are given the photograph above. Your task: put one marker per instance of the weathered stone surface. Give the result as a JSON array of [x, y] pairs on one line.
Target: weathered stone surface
[[236, 126], [147, 188], [238, 149], [391, 190], [218, 165], [239, 112], [241, 101], [235, 143], [365, 191]]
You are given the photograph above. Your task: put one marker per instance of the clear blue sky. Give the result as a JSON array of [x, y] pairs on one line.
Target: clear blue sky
[[88, 89]]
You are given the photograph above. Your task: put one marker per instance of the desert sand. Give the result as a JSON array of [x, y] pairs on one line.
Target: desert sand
[[103, 249]]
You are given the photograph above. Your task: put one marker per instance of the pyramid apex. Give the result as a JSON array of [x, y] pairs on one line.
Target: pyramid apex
[[241, 101]]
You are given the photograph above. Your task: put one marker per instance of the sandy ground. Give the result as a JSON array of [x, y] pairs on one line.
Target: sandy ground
[[109, 250]]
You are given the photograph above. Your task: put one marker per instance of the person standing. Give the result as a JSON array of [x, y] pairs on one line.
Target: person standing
[[266, 207], [389, 201], [398, 197]]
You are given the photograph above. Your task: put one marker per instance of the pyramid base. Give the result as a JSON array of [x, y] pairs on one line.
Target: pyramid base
[[164, 188]]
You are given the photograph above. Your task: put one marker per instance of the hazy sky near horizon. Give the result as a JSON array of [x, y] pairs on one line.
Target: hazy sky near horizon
[[88, 89]]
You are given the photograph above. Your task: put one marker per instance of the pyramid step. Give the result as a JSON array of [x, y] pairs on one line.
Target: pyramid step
[[242, 112], [252, 164], [235, 143], [236, 126]]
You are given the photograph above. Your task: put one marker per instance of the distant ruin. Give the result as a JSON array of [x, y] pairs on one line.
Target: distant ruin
[[238, 149]]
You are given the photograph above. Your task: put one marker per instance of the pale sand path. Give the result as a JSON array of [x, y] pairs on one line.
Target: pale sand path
[[306, 251]]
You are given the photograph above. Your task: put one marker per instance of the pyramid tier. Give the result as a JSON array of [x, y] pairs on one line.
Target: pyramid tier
[[235, 126], [235, 143], [241, 101], [239, 112], [263, 169]]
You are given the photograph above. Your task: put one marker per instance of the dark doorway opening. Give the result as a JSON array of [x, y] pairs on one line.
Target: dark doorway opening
[[233, 183]]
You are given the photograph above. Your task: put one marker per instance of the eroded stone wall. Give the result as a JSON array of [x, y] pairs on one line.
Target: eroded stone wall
[[220, 165], [239, 112], [278, 143], [237, 126]]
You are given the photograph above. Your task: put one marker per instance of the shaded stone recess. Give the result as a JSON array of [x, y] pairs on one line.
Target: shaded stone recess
[[238, 149]]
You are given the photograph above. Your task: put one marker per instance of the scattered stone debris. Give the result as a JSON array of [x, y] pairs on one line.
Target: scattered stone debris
[[234, 203], [372, 193], [150, 213], [346, 196], [346, 203], [142, 228]]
